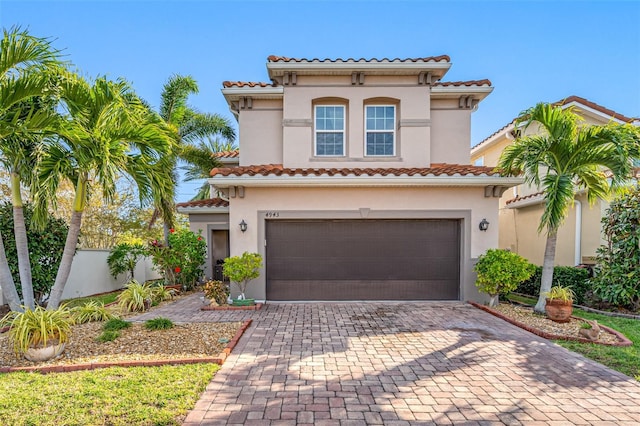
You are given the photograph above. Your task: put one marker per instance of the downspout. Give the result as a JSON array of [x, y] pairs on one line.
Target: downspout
[[578, 242]]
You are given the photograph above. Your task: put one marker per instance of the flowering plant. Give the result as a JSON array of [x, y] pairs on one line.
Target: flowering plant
[[182, 260]]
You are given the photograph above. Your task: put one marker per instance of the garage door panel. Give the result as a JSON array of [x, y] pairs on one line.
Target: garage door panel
[[363, 290], [363, 259]]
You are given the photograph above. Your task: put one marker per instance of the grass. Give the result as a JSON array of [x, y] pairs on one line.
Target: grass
[[158, 324], [112, 396], [104, 298], [623, 359]]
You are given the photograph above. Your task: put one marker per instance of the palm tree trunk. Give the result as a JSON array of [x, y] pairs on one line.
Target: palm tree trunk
[[24, 264], [22, 245], [6, 281], [67, 259], [547, 270]]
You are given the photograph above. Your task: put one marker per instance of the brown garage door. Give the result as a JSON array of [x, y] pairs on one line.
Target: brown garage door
[[363, 259]]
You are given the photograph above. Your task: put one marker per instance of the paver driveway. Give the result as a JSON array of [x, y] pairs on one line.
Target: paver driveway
[[403, 363]]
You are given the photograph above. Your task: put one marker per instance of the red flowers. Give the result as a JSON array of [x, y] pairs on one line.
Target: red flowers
[[199, 238], [177, 269], [172, 230]]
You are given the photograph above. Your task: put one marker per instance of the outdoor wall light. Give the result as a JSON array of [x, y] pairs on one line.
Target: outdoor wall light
[[484, 225], [243, 226]]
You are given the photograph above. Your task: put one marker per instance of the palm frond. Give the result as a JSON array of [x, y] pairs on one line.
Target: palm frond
[[173, 101]]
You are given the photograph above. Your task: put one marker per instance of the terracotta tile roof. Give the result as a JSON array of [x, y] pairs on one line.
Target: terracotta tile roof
[[246, 84], [211, 202], [595, 106], [441, 58], [227, 154], [567, 101], [484, 82], [526, 197], [436, 169]]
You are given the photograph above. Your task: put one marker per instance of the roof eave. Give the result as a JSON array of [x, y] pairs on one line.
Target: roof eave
[[443, 92], [202, 210], [277, 69], [363, 181]]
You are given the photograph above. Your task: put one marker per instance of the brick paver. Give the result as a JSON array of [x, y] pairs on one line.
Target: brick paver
[[401, 363]]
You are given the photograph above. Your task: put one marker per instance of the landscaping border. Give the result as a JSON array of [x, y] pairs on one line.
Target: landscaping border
[[255, 307], [622, 340], [142, 363]]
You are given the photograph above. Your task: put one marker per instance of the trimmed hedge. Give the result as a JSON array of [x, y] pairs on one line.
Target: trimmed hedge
[[569, 276]]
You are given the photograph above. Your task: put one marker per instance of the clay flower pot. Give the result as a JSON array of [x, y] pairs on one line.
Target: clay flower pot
[[45, 353], [559, 310]]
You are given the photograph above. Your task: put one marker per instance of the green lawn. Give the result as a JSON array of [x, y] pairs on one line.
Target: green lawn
[[111, 396], [623, 359], [104, 298]]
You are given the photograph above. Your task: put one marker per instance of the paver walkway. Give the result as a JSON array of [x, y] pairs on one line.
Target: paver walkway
[[400, 364]]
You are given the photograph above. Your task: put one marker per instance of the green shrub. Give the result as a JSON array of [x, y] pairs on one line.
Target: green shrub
[[45, 249], [564, 276], [216, 290], [124, 258], [108, 336], [617, 272], [181, 260], [136, 297], [116, 324], [242, 269], [500, 272], [158, 324], [90, 312]]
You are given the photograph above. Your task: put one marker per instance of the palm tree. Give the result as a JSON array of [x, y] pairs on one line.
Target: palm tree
[[109, 133], [27, 64], [201, 158], [567, 156], [189, 127]]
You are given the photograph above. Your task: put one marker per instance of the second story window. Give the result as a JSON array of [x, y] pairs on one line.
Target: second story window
[[329, 130], [380, 130]]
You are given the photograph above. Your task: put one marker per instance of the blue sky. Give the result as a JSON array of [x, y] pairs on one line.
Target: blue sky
[[532, 51]]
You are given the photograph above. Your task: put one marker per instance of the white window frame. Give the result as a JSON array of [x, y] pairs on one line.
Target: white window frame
[[316, 130], [393, 131]]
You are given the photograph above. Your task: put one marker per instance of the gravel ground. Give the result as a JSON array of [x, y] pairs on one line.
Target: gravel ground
[[184, 340], [527, 316]]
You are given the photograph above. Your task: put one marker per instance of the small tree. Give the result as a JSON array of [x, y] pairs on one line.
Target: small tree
[[124, 258], [180, 262], [242, 269], [617, 273], [500, 272]]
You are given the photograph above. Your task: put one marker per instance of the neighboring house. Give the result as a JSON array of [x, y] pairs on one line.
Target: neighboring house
[[521, 208], [354, 182]]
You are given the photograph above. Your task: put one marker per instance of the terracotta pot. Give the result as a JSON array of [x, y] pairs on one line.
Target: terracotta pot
[[558, 310], [44, 353]]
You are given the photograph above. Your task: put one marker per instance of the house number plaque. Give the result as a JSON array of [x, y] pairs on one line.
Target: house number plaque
[[272, 214]]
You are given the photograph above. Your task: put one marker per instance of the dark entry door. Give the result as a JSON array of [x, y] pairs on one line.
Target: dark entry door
[[363, 259]]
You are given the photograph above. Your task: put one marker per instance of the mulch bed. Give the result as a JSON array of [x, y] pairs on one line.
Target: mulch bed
[[536, 324]]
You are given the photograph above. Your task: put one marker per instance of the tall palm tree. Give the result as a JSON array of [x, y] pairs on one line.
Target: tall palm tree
[[200, 159], [109, 133], [563, 157], [27, 67], [189, 127]]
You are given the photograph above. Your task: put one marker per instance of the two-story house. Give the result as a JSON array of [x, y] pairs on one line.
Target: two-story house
[[521, 207], [354, 182]]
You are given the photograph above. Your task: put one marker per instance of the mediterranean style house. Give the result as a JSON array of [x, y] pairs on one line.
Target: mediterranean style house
[[354, 182], [521, 207]]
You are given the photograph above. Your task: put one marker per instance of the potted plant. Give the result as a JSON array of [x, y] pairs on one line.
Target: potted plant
[[559, 303], [217, 292], [241, 270], [500, 272], [39, 334]]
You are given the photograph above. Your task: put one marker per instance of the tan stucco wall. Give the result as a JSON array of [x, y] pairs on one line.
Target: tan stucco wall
[[467, 204], [412, 140], [450, 133], [260, 133]]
